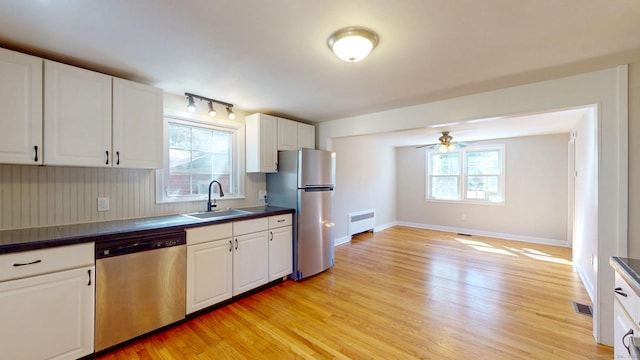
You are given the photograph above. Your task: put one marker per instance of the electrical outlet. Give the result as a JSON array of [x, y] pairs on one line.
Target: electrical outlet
[[103, 204], [262, 194]]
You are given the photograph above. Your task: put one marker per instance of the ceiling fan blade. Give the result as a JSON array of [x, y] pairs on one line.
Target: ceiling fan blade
[[427, 145]]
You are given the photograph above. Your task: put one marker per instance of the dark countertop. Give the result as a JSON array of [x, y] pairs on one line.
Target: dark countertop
[[629, 269], [45, 237]]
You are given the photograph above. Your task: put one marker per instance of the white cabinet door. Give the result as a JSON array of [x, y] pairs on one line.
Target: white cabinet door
[[77, 116], [48, 316], [250, 261], [287, 134], [209, 274], [137, 125], [20, 108], [261, 143], [621, 326], [280, 252], [306, 136]]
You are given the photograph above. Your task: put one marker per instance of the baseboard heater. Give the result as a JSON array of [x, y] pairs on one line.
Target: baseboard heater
[[362, 221]]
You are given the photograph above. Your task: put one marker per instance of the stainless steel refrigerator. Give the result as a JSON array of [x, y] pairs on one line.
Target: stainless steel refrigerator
[[305, 182]]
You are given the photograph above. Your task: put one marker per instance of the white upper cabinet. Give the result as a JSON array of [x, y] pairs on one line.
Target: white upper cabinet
[[93, 119], [306, 136], [261, 143], [137, 125], [77, 116], [287, 134], [20, 108], [266, 135]]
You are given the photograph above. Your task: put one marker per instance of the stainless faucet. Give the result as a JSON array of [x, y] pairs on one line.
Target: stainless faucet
[[209, 204]]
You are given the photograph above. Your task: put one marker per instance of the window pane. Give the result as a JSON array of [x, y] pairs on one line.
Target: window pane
[[198, 155], [484, 162], [483, 188], [445, 164], [179, 137], [444, 187]]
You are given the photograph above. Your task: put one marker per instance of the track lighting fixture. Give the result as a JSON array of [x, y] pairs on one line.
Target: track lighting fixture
[[232, 115], [191, 106]]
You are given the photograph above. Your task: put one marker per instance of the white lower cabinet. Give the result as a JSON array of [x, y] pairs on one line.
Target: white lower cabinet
[[623, 330], [209, 266], [250, 254], [280, 246], [48, 316]]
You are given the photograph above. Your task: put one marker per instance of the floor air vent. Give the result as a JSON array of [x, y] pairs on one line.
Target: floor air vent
[[583, 309], [361, 221]]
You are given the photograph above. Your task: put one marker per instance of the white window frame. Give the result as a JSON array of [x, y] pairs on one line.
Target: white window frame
[[462, 177], [238, 166]]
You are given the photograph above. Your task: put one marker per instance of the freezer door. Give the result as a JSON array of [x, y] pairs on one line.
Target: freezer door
[[314, 250], [317, 167]]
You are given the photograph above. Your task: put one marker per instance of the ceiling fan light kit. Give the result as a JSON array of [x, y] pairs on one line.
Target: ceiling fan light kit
[[445, 143]]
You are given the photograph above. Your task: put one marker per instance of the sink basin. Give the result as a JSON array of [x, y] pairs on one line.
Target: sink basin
[[217, 214]]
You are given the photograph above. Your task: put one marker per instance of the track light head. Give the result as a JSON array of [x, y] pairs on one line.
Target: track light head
[[232, 115], [212, 111], [192, 105]]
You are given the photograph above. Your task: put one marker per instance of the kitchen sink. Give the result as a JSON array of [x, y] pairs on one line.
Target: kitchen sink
[[217, 214]]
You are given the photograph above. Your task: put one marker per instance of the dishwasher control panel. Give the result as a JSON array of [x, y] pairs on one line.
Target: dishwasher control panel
[[133, 245]]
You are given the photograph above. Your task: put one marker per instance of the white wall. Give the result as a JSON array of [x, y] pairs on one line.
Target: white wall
[[36, 196], [365, 179], [535, 207], [585, 242], [606, 88]]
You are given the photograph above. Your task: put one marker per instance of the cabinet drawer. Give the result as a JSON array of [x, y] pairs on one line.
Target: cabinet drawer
[[207, 233], [250, 226], [43, 261], [629, 302], [280, 220]]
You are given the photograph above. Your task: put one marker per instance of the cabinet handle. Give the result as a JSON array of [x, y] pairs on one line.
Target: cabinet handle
[[629, 333], [281, 220], [117, 157], [230, 245], [36, 150], [236, 244], [29, 263], [106, 157], [89, 272], [619, 291], [270, 235]]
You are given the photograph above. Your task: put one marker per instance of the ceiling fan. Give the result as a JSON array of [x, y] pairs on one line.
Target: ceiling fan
[[445, 143]]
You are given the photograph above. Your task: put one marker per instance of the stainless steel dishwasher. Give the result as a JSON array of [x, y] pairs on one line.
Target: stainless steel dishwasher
[[140, 286]]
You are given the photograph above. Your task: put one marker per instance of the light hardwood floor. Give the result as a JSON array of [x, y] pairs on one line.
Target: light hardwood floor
[[402, 293]]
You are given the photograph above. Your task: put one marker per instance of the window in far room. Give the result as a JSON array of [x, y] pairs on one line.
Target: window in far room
[[475, 174]]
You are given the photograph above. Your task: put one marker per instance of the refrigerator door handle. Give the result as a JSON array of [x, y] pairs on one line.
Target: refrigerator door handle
[[318, 188]]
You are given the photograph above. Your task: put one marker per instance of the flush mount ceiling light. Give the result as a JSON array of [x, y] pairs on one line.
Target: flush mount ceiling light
[[191, 106], [353, 43]]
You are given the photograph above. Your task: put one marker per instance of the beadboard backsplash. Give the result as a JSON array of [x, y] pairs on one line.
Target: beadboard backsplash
[[37, 196]]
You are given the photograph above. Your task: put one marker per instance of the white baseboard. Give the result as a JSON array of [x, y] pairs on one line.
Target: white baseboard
[[347, 239], [586, 281], [529, 239]]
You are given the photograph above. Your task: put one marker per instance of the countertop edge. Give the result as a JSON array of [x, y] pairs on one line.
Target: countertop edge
[[124, 231], [628, 273]]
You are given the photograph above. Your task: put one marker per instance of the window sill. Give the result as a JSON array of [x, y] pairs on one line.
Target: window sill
[[466, 202]]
